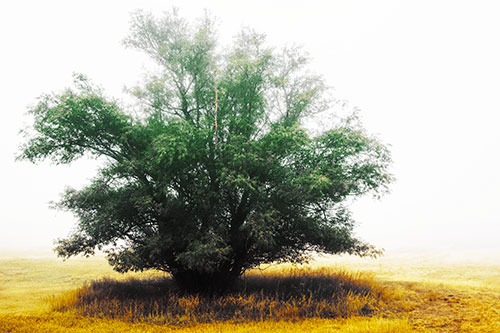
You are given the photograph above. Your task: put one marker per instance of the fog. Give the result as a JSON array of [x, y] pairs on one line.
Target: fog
[[424, 74]]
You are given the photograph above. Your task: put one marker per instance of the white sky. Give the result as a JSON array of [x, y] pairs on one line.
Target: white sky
[[425, 74]]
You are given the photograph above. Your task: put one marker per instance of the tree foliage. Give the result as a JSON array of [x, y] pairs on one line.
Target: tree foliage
[[217, 173]]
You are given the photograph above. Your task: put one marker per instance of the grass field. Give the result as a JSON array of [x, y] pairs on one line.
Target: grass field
[[391, 294]]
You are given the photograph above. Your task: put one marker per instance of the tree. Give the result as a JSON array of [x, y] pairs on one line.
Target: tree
[[217, 173]]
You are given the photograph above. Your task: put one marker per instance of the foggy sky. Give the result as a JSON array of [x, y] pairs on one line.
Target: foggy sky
[[425, 75]]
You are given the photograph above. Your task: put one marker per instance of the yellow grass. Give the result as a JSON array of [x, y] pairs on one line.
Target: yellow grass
[[385, 295]]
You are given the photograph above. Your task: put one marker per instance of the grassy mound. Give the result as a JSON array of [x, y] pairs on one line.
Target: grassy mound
[[293, 294]]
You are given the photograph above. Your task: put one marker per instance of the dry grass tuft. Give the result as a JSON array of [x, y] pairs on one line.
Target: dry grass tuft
[[293, 294]]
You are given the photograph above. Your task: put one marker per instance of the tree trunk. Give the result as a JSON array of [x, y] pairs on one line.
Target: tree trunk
[[193, 281]]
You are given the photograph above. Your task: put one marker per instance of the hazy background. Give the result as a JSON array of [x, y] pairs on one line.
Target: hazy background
[[425, 74]]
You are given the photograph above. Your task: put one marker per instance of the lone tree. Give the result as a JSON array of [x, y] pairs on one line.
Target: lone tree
[[217, 173]]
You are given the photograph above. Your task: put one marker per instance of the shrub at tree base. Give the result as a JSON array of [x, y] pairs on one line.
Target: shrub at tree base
[[213, 171], [293, 295]]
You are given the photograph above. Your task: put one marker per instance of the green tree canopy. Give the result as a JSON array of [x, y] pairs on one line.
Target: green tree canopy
[[217, 173]]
